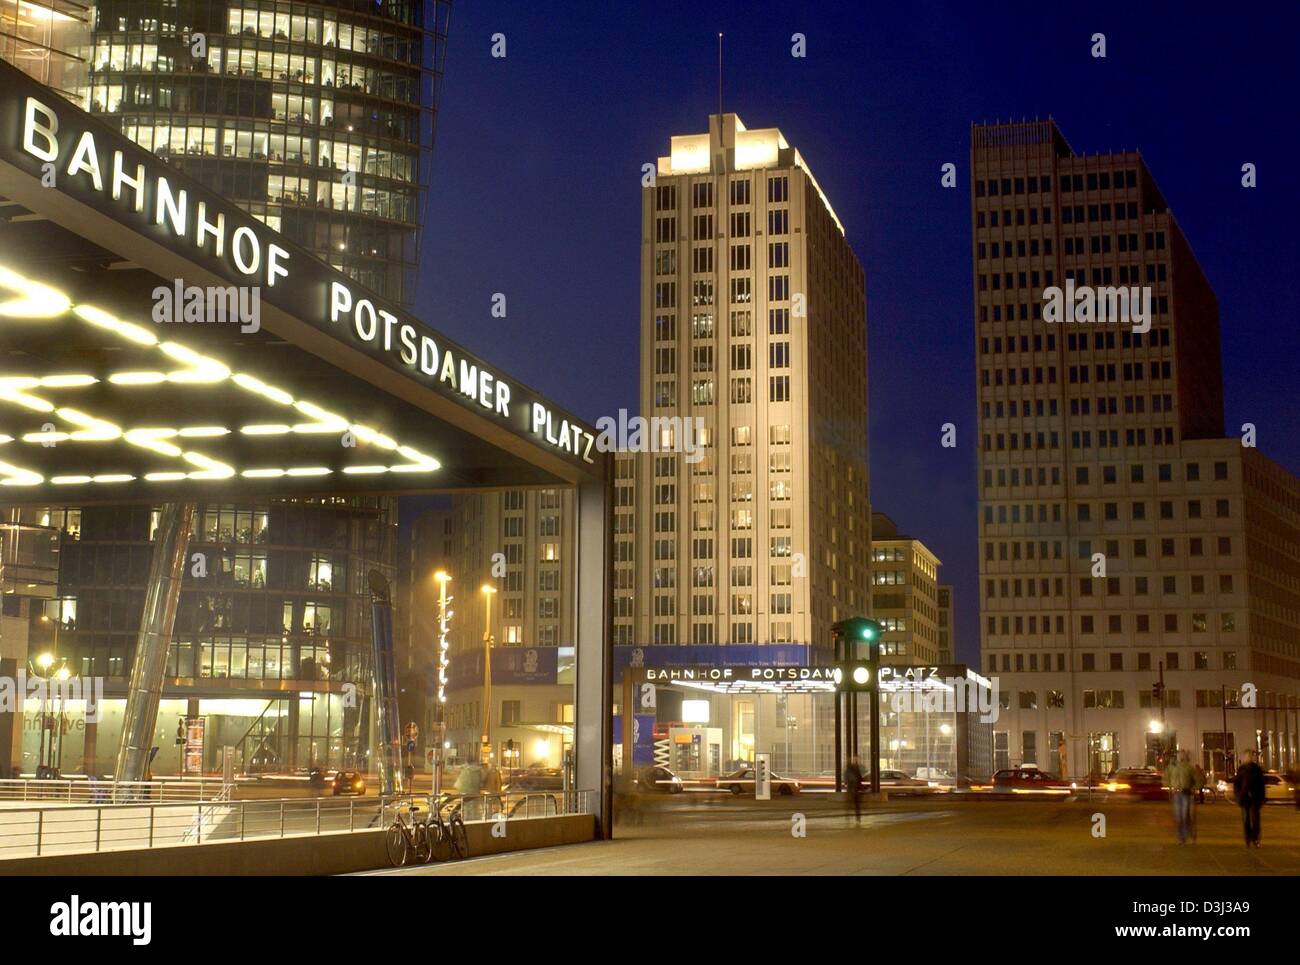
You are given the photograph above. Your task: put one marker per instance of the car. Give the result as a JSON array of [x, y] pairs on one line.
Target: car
[[535, 778], [349, 782], [1029, 780], [1141, 782], [935, 775], [897, 780], [658, 778], [742, 781], [1278, 788]]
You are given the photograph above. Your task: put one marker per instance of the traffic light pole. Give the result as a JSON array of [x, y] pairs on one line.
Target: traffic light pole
[[839, 728], [853, 674], [875, 730]]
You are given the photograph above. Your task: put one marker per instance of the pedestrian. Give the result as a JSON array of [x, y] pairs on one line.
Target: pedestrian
[[1248, 786], [1182, 784], [853, 784], [469, 783], [492, 785]]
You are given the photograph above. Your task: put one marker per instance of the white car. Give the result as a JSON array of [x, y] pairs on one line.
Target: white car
[[1278, 788]]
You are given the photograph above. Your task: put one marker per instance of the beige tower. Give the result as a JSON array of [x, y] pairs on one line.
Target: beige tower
[[753, 322]]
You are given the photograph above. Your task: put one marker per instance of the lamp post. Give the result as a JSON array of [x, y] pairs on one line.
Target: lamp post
[[439, 732], [488, 592], [62, 675], [42, 667], [1157, 729], [43, 663]]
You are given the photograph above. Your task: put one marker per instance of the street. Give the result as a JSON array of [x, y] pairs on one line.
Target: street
[[919, 837]]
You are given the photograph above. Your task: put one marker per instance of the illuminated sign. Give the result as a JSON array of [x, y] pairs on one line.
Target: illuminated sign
[[724, 675], [80, 157], [196, 450]]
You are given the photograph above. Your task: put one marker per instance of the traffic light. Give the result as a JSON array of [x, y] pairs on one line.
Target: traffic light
[[1157, 692], [854, 676], [859, 630], [180, 731]]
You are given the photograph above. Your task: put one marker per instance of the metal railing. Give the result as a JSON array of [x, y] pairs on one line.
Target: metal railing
[[210, 814], [487, 807], [93, 791], [54, 827], [27, 832]]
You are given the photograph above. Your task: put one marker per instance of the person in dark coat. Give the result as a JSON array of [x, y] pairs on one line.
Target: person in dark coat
[[853, 784], [1248, 786]]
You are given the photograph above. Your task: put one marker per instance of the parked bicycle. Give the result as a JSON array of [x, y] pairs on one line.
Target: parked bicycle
[[407, 840], [447, 836]]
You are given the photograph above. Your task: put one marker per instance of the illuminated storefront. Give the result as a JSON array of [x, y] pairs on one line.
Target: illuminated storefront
[[704, 711]]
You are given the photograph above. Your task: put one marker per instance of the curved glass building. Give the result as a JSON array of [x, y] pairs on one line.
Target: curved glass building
[[316, 118]]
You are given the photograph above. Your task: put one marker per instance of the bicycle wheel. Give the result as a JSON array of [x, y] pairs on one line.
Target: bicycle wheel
[[439, 841], [395, 844], [423, 849], [459, 837]]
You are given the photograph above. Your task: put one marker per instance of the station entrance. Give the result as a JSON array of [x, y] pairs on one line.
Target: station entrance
[[128, 379], [703, 723]]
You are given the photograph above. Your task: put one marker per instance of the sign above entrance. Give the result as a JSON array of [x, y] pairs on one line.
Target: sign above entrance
[[741, 678], [125, 208]]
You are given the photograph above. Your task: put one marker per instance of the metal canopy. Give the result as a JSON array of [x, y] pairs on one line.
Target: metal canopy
[[335, 391]]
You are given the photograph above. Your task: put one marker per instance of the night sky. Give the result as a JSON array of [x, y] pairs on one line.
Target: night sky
[[536, 190]]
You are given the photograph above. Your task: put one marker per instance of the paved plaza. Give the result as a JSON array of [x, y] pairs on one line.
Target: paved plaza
[[919, 837]]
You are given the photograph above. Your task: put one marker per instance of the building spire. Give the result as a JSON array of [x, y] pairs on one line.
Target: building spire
[[719, 83]]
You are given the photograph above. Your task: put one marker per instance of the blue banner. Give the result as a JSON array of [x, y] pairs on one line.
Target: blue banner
[[643, 737], [510, 665]]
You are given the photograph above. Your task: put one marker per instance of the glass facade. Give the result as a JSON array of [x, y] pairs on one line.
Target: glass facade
[[272, 638], [49, 40], [315, 118]]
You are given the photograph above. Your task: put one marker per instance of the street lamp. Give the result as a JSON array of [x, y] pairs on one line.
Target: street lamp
[[42, 666], [488, 591], [444, 615], [1157, 729]]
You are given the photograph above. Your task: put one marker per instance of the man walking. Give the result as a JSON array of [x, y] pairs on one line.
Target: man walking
[[1248, 786], [1182, 784], [853, 784]]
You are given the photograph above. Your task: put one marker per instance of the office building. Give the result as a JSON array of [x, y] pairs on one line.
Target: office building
[[49, 40], [510, 557], [945, 623], [1122, 534], [904, 595], [316, 118], [753, 527]]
